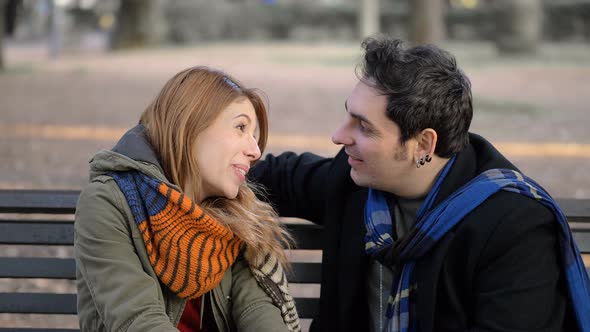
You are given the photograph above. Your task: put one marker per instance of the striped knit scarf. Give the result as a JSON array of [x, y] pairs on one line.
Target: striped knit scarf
[[188, 249], [433, 224], [271, 277]]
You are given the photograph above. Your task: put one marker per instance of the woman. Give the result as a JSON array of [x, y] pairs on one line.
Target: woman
[[169, 234]]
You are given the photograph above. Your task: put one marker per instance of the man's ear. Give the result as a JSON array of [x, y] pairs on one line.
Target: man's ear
[[426, 140]]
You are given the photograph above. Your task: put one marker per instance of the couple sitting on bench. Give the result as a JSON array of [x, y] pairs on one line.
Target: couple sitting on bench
[[427, 227]]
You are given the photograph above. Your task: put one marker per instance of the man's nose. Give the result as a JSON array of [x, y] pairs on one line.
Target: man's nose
[[342, 135]]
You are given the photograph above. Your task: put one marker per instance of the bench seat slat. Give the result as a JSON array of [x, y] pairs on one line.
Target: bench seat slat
[[38, 303], [45, 268], [36, 233]]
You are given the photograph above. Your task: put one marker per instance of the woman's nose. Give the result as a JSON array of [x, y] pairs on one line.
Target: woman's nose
[[253, 150]]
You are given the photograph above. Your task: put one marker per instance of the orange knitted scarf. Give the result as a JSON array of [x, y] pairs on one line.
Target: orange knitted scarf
[[188, 249]]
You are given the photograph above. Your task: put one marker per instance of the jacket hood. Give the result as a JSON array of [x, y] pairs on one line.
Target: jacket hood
[[132, 152]]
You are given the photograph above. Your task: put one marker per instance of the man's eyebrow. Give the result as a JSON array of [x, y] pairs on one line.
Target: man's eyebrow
[[357, 116]]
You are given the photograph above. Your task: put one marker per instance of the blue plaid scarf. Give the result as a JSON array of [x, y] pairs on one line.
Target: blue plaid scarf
[[433, 224]]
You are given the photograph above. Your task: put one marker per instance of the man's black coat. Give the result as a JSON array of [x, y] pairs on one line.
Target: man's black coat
[[497, 270]]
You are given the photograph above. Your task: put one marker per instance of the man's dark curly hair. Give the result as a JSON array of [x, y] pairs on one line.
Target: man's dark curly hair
[[424, 89]]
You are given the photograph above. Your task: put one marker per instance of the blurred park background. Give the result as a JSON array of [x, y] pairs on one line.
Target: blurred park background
[[74, 75]]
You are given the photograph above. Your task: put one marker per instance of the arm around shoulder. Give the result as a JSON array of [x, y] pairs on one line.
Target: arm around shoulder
[[296, 184]]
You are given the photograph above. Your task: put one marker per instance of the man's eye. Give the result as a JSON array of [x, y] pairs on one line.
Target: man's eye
[[364, 127]]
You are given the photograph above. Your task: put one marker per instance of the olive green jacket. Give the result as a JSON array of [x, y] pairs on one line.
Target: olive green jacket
[[118, 289]]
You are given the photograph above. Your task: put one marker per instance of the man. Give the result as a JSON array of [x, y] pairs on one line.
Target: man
[[423, 231]]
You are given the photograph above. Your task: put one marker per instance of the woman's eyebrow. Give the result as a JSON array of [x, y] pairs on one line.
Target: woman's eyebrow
[[243, 115]]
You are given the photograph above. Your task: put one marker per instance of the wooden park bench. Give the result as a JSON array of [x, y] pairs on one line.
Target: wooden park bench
[[44, 218]]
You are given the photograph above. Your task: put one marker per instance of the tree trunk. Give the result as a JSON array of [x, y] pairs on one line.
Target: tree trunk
[[369, 14], [2, 28], [427, 24], [56, 30], [139, 23], [519, 26]]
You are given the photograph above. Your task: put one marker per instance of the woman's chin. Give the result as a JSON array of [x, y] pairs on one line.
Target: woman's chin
[[231, 194]]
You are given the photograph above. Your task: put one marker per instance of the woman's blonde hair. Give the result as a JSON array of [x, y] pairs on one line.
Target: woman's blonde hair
[[187, 104]]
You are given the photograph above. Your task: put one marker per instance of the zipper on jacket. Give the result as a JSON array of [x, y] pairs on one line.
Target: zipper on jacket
[[203, 297], [222, 325]]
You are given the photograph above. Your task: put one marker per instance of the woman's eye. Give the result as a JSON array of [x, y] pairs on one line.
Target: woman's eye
[[241, 127]]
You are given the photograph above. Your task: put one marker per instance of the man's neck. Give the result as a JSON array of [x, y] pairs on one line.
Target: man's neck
[[422, 179]]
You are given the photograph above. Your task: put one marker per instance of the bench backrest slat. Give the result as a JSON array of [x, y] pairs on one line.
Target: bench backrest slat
[[38, 201], [65, 268], [64, 202], [38, 303], [576, 210], [65, 304], [35, 232], [34, 329], [582, 238], [62, 233], [42, 232], [34, 267]]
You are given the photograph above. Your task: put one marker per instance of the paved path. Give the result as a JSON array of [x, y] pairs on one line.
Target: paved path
[[55, 115]]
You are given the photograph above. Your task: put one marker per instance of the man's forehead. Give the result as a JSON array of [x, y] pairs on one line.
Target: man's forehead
[[367, 101]]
